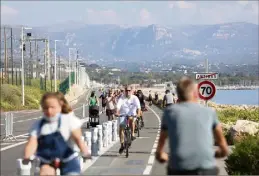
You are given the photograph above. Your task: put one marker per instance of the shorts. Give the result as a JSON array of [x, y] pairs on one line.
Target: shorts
[[71, 167], [110, 112], [122, 121], [104, 105], [143, 107]]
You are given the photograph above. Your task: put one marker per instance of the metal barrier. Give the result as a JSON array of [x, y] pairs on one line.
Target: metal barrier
[[96, 139], [9, 127]]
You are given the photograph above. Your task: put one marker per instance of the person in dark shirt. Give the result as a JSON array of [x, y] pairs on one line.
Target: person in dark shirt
[[141, 98], [191, 128]]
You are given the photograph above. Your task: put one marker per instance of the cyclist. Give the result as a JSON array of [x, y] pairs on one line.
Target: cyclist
[[168, 99], [141, 98], [156, 97], [54, 136], [150, 98], [128, 104], [190, 128]]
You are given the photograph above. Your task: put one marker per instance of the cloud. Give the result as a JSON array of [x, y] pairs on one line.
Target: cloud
[[102, 17], [8, 11], [181, 5], [145, 17]]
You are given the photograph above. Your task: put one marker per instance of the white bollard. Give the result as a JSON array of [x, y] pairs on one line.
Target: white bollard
[[105, 134], [114, 130], [23, 169], [88, 140], [94, 141], [100, 137], [110, 132]]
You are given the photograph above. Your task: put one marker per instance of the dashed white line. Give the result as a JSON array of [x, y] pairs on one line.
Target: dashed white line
[[151, 159]]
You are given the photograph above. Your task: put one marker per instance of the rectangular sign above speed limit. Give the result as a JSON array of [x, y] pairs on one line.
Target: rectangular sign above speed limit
[[202, 76]]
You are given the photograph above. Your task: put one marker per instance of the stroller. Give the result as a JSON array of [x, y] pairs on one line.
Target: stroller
[[94, 118]]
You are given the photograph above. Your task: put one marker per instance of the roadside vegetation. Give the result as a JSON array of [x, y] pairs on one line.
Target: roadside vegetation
[[11, 95], [244, 157]]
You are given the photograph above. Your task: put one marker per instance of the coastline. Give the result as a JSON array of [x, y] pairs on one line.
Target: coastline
[[161, 92]]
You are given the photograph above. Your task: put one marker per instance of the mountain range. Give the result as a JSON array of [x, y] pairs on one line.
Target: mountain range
[[228, 43]]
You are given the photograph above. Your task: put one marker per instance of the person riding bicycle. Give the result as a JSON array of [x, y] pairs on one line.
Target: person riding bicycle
[[54, 136], [168, 99], [156, 97], [150, 99], [190, 128], [128, 104], [141, 98]]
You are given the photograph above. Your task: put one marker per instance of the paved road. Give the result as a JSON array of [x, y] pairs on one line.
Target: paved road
[[141, 159], [24, 119], [9, 156]]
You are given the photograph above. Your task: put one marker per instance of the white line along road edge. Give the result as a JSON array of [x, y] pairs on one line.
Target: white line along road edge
[[151, 159]]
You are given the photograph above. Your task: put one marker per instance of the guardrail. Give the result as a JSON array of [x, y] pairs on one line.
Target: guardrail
[[8, 123], [97, 139]]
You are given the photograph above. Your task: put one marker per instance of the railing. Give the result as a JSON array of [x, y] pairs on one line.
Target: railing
[[97, 139], [8, 127]]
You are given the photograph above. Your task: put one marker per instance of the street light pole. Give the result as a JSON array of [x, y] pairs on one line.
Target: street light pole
[[23, 101], [55, 66], [22, 41], [69, 76]]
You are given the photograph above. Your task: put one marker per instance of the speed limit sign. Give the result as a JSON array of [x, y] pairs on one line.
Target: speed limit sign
[[207, 90]]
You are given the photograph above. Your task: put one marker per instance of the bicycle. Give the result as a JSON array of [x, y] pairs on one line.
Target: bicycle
[[127, 135], [55, 163], [138, 126]]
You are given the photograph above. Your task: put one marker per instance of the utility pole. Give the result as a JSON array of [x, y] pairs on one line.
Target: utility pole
[[23, 47], [12, 55], [30, 66], [48, 60], [5, 55]]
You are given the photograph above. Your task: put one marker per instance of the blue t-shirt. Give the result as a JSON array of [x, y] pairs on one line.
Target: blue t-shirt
[[190, 131]]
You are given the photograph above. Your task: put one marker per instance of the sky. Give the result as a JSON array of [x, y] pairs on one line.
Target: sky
[[130, 13]]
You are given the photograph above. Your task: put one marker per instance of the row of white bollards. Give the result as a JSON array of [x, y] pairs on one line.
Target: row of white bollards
[[97, 139]]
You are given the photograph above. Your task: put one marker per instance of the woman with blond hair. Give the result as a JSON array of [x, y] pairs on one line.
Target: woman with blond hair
[[53, 136]]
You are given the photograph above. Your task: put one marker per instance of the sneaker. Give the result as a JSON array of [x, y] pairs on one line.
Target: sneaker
[[133, 138], [121, 150]]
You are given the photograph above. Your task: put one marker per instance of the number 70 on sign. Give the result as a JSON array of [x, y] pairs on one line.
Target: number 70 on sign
[[207, 90]]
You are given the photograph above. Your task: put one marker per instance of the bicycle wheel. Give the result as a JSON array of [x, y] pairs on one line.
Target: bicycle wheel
[[138, 127]]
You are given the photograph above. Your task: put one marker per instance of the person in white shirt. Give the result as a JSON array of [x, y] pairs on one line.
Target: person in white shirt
[[54, 136], [129, 105]]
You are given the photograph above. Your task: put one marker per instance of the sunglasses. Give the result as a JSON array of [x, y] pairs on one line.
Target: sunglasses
[[128, 90]]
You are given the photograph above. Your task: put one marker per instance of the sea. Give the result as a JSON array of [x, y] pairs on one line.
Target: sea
[[237, 97]]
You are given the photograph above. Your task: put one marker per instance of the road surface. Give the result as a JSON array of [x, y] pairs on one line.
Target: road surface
[[141, 154]]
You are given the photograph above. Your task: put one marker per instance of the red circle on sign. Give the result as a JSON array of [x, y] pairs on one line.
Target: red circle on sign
[[212, 93]]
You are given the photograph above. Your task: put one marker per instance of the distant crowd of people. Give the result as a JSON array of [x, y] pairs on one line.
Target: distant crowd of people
[[189, 126]]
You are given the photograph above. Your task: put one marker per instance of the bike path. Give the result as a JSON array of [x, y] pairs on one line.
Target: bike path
[[160, 169], [112, 163]]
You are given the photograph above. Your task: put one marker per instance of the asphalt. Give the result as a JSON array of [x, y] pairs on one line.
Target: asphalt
[[112, 163], [141, 158], [9, 156]]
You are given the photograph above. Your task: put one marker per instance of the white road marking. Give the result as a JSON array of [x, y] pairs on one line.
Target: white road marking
[[88, 164], [12, 146], [26, 135], [151, 159], [147, 170]]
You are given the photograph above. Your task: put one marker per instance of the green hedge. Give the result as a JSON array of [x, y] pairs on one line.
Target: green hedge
[[245, 157]]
